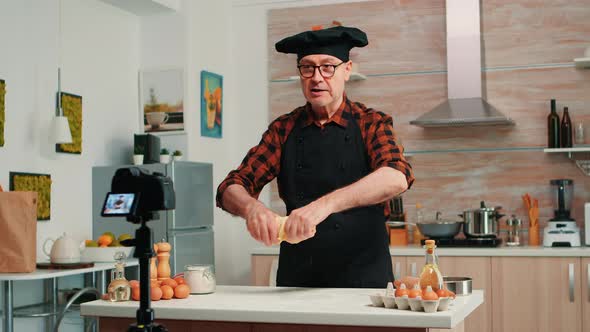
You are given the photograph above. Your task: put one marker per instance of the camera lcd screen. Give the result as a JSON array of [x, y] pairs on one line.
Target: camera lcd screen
[[119, 204]]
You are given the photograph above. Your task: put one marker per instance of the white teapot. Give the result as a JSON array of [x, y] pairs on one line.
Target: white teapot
[[64, 250]]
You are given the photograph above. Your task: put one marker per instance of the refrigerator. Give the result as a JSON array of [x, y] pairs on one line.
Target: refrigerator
[[188, 228]]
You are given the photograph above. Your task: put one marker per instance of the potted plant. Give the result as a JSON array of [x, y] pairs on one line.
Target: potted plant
[[164, 156], [177, 155], [138, 155]]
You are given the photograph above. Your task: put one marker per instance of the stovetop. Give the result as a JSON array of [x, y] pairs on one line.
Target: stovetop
[[487, 242]]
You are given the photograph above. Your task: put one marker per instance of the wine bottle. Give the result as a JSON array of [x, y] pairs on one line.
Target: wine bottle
[[566, 129], [553, 127]]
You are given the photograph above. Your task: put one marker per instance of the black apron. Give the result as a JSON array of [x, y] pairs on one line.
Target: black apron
[[350, 249]]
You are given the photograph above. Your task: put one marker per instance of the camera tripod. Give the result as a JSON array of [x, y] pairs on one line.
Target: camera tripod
[[144, 251]]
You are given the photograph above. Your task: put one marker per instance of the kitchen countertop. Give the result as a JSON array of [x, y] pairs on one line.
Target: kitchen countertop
[[415, 250], [331, 306]]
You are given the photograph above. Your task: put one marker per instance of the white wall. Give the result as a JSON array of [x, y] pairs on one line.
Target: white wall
[[99, 62], [100, 58], [163, 46], [102, 49], [209, 48]]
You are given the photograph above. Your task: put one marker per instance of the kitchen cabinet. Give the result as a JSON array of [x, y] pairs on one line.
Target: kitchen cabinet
[[263, 264], [585, 267], [536, 294], [406, 266], [260, 270]]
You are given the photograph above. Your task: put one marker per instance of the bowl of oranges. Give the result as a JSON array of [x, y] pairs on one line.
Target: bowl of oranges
[[104, 248]]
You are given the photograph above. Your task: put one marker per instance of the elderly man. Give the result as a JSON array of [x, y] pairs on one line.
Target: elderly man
[[336, 162]]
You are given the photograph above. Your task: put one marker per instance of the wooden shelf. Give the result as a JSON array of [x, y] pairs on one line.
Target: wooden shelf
[[569, 150]]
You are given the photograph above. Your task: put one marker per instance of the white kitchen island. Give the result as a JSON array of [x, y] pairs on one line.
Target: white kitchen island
[[251, 308]]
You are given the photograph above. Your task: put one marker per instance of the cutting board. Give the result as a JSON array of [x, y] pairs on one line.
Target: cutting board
[[64, 266]]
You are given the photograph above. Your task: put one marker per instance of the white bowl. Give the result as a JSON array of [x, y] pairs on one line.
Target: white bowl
[[97, 254]]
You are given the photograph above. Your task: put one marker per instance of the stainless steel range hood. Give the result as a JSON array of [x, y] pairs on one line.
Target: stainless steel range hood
[[465, 106]]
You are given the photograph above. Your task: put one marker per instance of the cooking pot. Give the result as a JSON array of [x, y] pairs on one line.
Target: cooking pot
[[438, 228], [482, 222]]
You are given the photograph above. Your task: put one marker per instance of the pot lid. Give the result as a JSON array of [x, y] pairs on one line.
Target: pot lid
[[439, 220], [483, 207]]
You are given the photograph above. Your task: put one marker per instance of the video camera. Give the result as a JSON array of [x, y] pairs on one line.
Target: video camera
[[137, 194]]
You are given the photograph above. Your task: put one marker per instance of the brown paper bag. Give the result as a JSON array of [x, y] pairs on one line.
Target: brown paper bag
[[18, 231]]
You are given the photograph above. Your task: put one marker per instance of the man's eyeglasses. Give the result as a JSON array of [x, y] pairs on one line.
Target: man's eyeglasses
[[326, 71]]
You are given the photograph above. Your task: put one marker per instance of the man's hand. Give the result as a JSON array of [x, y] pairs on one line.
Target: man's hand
[[262, 223], [302, 222]]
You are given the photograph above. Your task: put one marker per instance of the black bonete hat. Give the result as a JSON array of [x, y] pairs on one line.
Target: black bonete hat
[[336, 41]]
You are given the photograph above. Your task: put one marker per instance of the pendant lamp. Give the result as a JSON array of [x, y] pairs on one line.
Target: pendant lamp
[[61, 127]]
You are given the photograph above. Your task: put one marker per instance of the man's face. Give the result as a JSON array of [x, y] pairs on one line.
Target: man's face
[[323, 91]]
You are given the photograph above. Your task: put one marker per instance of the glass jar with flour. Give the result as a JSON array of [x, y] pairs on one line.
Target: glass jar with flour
[[200, 278]]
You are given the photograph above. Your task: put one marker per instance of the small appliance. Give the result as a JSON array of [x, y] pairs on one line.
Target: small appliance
[[562, 230]]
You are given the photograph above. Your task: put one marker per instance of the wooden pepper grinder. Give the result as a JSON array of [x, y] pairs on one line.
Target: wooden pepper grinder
[[153, 268], [164, 260]]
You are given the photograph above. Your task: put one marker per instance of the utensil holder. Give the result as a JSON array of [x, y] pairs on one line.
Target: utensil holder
[[534, 235]]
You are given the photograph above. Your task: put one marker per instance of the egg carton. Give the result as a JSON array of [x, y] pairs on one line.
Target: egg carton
[[414, 304]]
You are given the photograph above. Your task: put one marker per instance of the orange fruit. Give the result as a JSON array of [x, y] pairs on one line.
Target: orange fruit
[[170, 282], [181, 291], [104, 240], [134, 283], [156, 293], [167, 292], [135, 294]]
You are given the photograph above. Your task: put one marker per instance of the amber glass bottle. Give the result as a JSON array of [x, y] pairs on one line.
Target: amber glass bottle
[[553, 127], [566, 129], [431, 275]]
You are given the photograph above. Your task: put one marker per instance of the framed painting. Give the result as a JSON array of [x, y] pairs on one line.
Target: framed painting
[[72, 108], [2, 117], [211, 104], [41, 183], [161, 94]]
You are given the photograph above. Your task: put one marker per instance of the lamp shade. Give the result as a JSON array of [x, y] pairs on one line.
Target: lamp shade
[[61, 130]]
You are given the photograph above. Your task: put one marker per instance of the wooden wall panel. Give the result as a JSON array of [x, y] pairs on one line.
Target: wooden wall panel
[[534, 31], [453, 182], [463, 165], [403, 35], [521, 94]]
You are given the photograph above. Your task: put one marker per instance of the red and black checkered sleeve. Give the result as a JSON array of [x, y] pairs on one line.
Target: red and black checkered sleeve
[[382, 146], [261, 164]]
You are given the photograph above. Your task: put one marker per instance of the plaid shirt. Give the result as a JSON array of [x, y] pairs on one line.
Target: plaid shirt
[[263, 162]]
